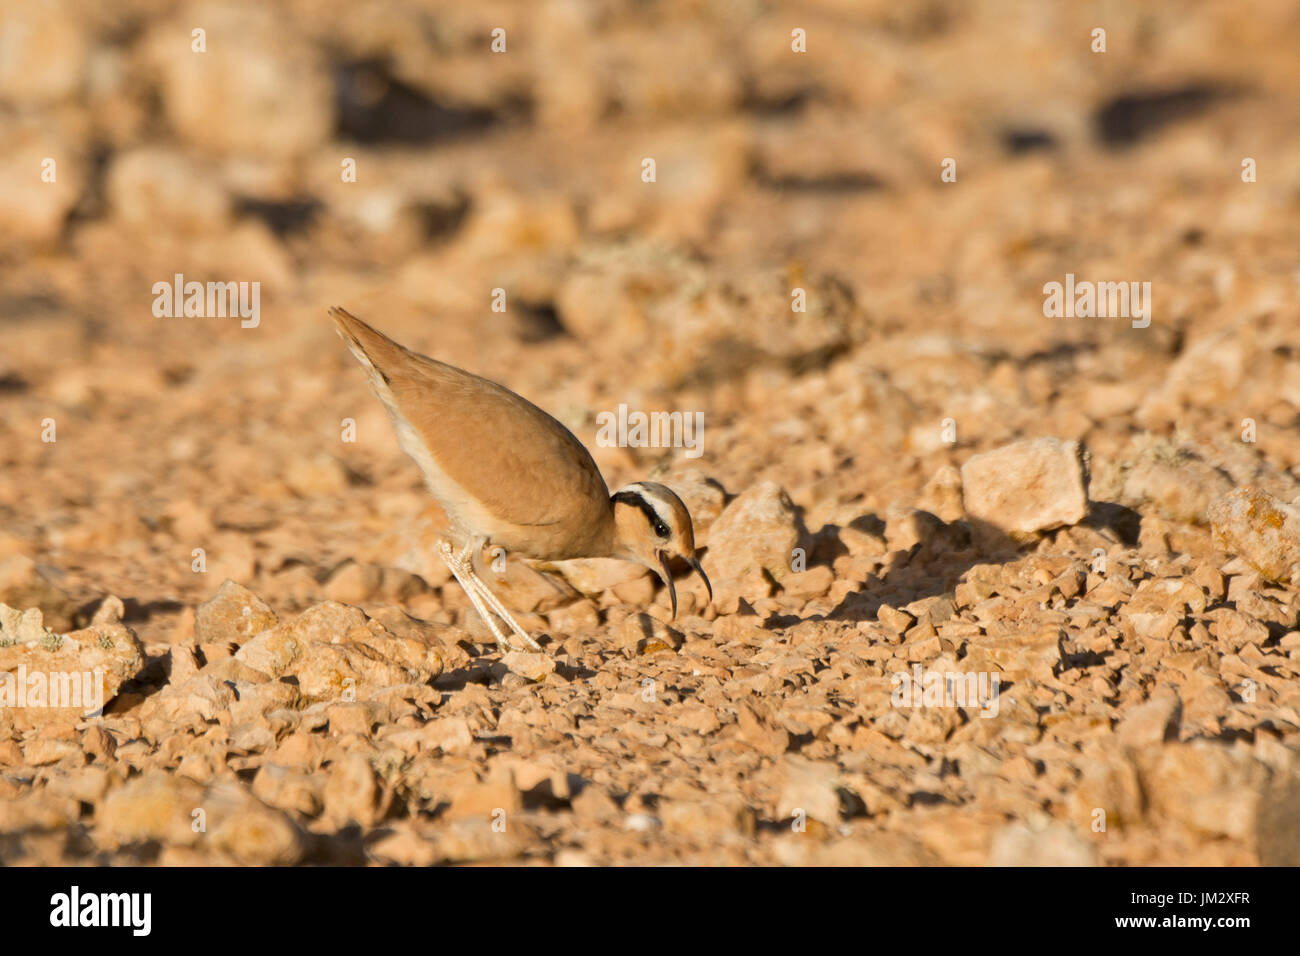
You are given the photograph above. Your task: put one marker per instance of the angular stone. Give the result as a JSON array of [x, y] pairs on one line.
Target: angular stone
[[594, 576], [273, 651], [351, 792], [448, 734], [534, 666], [1018, 844], [495, 798], [1212, 788], [202, 697], [1264, 531], [46, 51], [405, 846], [31, 210], [1277, 829], [162, 187], [755, 536], [594, 804], [642, 634], [83, 669], [811, 788], [267, 95], [24, 627], [942, 494], [576, 618], [248, 830], [338, 655], [712, 816], [757, 731], [880, 849], [353, 583], [1176, 481], [811, 583], [894, 619], [331, 672], [1152, 722], [233, 615], [1028, 486], [153, 806]]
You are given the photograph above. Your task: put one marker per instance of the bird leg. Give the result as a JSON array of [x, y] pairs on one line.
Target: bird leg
[[456, 565], [495, 603], [462, 566], [491, 599]]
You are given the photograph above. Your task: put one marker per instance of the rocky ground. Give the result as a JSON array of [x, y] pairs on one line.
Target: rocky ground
[[920, 474]]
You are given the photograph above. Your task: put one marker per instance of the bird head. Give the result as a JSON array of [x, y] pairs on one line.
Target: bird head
[[652, 526]]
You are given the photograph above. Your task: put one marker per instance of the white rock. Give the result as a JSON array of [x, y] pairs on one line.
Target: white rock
[[1027, 486]]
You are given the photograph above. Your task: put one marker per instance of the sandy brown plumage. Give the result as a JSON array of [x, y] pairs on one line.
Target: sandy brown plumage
[[508, 473], [538, 483]]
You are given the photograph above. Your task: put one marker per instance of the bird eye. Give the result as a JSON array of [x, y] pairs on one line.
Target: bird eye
[[661, 529]]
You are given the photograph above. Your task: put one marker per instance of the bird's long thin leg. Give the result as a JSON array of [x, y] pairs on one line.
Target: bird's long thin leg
[[491, 599], [494, 602], [470, 587]]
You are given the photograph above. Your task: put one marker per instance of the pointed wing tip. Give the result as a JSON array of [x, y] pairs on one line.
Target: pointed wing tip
[[348, 325]]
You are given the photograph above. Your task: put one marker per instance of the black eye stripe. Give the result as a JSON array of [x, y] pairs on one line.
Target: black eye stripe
[[652, 516]]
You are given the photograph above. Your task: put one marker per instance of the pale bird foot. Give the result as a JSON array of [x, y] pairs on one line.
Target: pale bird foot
[[462, 567]]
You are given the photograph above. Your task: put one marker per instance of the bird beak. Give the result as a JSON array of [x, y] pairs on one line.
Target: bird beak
[[695, 563], [668, 580]]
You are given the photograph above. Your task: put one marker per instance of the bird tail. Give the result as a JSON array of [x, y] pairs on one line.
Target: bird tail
[[374, 350]]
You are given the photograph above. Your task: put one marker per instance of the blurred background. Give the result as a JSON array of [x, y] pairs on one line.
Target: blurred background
[[522, 170]]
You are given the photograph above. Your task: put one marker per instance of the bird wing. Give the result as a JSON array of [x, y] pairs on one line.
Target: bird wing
[[521, 464], [477, 429]]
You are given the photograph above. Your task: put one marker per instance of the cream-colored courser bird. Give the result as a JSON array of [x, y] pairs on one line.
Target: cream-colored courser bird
[[508, 474]]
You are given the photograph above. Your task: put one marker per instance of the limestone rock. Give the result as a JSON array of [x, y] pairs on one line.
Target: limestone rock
[[942, 494], [259, 88], [45, 53], [534, 666], [1212, 788], [1028, 486], [351, 792], [336, 653], [755, 537], [179, 812], [1263, 530], [594, 576], [68, 675], [1152, 722], [642, 634], [155, 187], [233, 615], [1178, 482], [1018, 844], [810, 788]]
